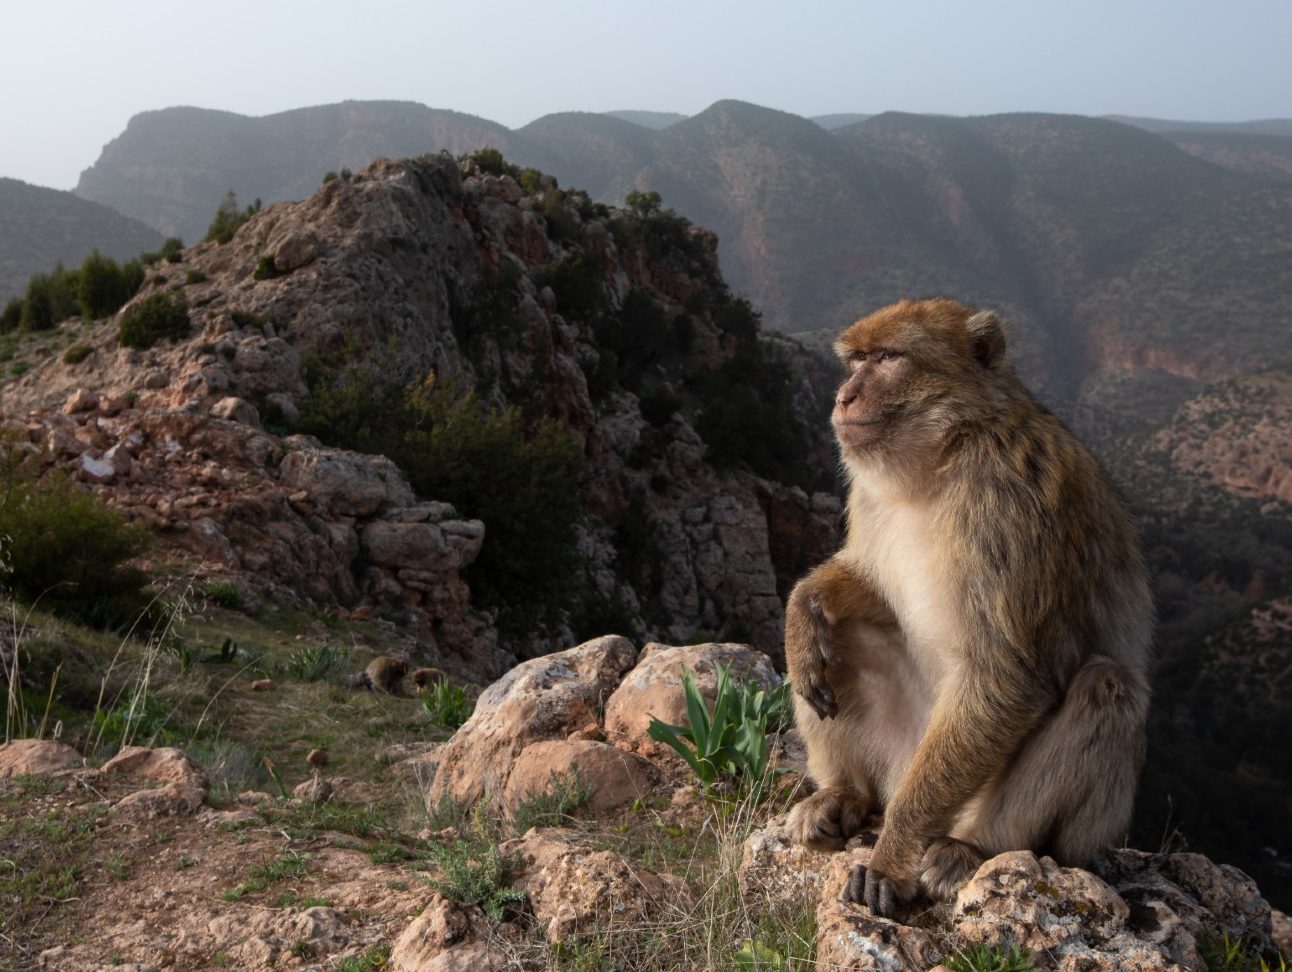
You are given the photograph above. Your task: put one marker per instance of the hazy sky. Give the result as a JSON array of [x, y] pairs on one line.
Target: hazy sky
[[72, 72]]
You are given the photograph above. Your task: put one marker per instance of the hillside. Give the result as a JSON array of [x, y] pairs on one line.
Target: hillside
[[40, 227]]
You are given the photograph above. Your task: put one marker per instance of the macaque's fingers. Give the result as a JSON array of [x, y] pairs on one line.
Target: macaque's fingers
[[854, 890], [816, 690], [880, 897], [824, 645]]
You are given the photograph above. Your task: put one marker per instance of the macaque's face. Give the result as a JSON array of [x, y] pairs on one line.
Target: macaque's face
[[905, 363]]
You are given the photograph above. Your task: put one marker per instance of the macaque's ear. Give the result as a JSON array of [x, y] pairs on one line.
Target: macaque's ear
[[986, 338]]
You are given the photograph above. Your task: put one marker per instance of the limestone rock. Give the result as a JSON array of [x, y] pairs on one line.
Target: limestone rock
[[140, 765], [21, 757], [654, 687], [346, 483], [544, 698], [169, 800], [612, 778], [233, 409], [574, 889], [444, 938]]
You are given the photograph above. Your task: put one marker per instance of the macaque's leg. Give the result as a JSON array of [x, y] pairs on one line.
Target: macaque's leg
[[1069, 793], [857, 755]]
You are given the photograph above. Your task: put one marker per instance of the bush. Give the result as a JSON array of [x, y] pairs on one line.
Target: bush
[[446, 704], [12, 316], [157, 316], [195, 277], [173, 249], [228, 218], [101, 287], [490, 160], [67, 550], [37, 306], [520, 479], [76, 354], [551, 807], [265, 268]]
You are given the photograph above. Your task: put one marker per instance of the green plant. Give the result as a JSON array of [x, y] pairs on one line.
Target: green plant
[[1223, 954], [372, 958], [314, 662], [266, 269], [260, 876], [224, 593], [195, 277], [476, 872], [447, 704], [553, 806], [19, 368], [990, 958], [101, 287], [228, 218], [730, 739], [157, 316], [67, 549], [142, 717], [76, 354]]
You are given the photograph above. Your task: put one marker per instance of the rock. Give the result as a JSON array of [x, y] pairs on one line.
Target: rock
[[261, 685], [421, 546], [141, 765], [1281, 932], [443, 938], [295, 251], [169, 800], [1070, 913], [611, 777], [236, 410], [81, 400], [23, 757], [316, 791], [653, 689], [97, 470], [544, 698], [573, 889], [346, 483], [774, 868]]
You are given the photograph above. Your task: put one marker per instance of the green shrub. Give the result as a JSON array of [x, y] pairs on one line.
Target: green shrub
[[195, 277], [991, 958], [19, 368], [490, 160], [313, 663], [172, 249], [447, 705], [157, 316], [729, 739], [553, 806], [519, 478], [12, 316], [101, 288], [265, 268], [228, 218], [76, 354], [67, 550], [224, 593], [477, 873], [37, 306]]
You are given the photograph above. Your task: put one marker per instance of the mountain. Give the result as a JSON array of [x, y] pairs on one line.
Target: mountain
[[838, 120], [171, 168], [1163, 126], [40, 227], [648, 119]]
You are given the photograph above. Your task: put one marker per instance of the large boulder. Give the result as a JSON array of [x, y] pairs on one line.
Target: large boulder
[[542, 699], [24, 757]]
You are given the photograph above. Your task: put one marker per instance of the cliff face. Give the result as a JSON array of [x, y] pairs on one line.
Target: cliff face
[[421, 269]]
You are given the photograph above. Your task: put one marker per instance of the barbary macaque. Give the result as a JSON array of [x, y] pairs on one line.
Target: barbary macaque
[[973, 663]]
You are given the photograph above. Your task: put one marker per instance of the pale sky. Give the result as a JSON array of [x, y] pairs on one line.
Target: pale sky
[[72, 72]]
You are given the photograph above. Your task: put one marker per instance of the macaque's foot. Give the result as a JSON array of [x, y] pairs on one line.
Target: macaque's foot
[[866, 886], [825, 820], [810, 679], [947, 865]]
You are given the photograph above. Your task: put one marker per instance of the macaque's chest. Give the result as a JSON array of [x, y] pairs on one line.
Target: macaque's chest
[[896, 545]]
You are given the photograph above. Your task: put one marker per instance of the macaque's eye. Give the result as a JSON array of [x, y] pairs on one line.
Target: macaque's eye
[[886, 354], [857, 357]]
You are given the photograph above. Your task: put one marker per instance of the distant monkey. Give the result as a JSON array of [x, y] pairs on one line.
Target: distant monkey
[[384, 674], [974, 661], [425, 678]]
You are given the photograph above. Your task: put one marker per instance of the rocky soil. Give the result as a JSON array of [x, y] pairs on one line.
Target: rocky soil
[[646, 872]]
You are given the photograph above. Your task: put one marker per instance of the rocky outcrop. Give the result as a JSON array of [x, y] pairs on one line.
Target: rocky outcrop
[[431, 267]]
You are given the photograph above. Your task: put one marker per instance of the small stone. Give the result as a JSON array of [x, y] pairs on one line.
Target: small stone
[[262, 685]]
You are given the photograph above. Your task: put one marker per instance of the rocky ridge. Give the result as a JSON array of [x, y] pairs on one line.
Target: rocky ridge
[[190, 436]]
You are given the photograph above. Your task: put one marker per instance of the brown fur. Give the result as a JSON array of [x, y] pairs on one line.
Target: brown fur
[[424, 678], [974, 660], [385, 674]]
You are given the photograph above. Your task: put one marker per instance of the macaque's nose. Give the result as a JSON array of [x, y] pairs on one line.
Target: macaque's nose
[[846, 396]]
